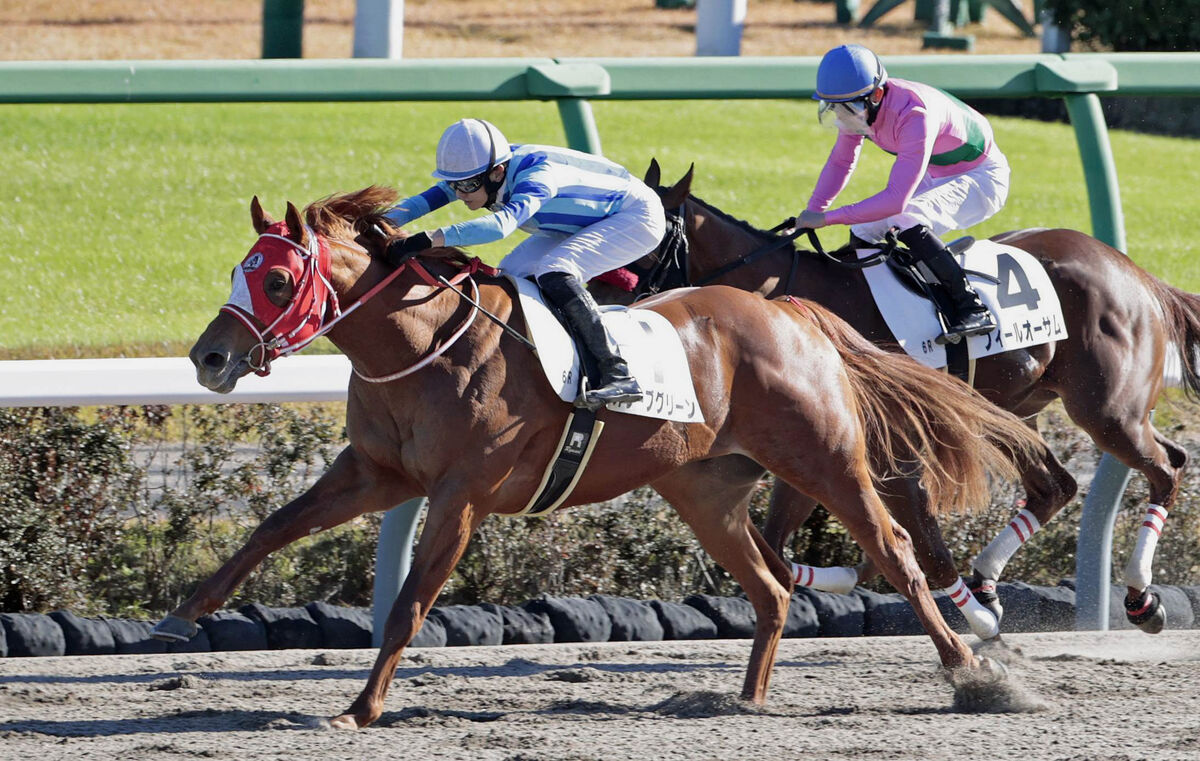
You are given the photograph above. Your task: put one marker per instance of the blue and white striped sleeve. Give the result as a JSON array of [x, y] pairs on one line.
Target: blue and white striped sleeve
[[418, 206], [531, 190]]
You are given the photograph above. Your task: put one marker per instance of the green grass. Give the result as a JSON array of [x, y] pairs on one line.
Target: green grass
[[122, 222]]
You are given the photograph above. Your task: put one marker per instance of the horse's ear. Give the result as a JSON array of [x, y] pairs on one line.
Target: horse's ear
[[653, 174], [258, 217], [679, 192], [297, 232]]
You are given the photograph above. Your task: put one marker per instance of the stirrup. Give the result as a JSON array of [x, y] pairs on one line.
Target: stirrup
[[974, 324], [624, 390]]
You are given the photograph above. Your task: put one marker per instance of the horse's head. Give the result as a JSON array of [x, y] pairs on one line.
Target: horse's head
[[666, 266], [280, 300]]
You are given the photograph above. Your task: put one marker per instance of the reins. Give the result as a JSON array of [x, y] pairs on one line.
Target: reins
[[879, 257]]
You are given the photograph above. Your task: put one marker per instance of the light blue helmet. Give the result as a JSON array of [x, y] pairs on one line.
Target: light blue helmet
[[470, 147], [848, 72]]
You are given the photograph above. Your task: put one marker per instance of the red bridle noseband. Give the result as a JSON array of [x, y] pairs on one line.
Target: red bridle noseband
[[303, 320]]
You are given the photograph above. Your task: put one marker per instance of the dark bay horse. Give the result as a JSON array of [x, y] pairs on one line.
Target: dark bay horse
[[452, 407], [1123, 325]]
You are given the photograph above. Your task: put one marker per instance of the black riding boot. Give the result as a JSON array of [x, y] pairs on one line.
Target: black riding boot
[[971, 317], [568, 294]]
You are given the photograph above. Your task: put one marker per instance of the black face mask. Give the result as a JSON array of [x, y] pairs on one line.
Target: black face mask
[[493, 186], [873, 108]]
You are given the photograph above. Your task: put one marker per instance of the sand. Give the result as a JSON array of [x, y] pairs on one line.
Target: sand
[[1118, 696]]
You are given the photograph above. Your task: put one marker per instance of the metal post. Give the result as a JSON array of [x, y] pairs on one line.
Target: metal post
[[283, 29], [1099, 169], [379, 29], [719, 26], [393, 558], [1093, 553], [1093, 549], [579, 125]]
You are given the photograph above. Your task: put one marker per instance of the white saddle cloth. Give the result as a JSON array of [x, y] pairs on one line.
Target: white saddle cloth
[[1014, 286], [648, 342]]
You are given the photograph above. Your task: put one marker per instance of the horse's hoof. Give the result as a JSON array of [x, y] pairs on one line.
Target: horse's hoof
[[1146, 612], [345, 721], [991, 670], [174, 629]]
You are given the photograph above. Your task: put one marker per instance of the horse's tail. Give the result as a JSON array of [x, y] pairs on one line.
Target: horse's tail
[[917, 416], [1183, 329]]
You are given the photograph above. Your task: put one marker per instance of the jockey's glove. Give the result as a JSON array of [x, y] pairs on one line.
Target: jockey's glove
[[400, 251]]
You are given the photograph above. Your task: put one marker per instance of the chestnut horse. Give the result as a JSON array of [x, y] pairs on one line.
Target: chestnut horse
[[1123, 326], [461, 412]]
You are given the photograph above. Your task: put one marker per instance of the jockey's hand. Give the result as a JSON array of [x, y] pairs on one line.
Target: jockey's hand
[[810, 219], [400, 251]]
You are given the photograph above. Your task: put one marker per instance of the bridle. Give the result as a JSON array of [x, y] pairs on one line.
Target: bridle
[[291, 324], [315, 257]]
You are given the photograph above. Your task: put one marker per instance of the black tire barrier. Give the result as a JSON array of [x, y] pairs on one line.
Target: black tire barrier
[[199, 643], [133, 637], [84, 636], [681, 621], [469, 625], [1193, 595], [431, 634], [574, 619], [30, 635], [522, 627], [839, 615], [287, 628], [801, 618], [887, 615], [734, 616], [341, 627], [601, 618], [632, 620], [230, 630]]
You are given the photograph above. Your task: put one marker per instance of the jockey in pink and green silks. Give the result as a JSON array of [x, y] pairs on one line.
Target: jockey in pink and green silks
[[948, 173]]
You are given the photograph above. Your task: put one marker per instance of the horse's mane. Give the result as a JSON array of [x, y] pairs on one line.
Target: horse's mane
[[353, 215], [348, 214], [740, 223]]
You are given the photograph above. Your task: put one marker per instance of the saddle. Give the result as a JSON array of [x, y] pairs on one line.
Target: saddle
[[917, 279]]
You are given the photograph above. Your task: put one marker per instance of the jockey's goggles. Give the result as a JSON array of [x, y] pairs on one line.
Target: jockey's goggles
[[847, 108], [847, 115], [469, 185]]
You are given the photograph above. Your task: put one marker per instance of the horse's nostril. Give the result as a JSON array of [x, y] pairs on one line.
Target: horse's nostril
[[214, 360]]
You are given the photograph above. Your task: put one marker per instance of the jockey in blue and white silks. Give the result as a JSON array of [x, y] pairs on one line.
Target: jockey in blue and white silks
[[585, 215]]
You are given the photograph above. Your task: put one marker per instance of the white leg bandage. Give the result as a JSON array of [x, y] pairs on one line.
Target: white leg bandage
[[839, 580], [995, 556], [1137, 572], [980, 619]]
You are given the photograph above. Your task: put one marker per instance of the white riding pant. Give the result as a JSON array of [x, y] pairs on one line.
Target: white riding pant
[[949, 203], [606, 245]]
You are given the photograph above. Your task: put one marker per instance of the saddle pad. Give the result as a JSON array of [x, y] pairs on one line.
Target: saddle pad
[[647, 341], [1013, 285]]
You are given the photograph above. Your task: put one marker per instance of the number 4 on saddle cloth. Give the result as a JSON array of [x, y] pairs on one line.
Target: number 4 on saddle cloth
[[1009, 281]]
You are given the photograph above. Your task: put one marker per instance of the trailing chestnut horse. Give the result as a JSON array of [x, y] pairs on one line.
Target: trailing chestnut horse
[[1123, 325], [461, 412]]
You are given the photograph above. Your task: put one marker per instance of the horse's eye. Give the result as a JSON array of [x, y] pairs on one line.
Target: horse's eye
[[278, 287]]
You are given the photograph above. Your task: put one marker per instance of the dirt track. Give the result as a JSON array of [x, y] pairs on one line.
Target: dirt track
[[1117, 696]]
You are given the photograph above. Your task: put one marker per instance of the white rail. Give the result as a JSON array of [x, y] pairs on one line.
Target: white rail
[[164, 380]]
